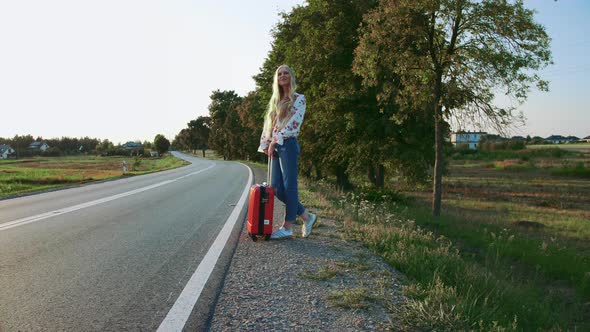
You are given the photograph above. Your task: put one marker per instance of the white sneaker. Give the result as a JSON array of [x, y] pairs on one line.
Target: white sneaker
[[282, 233], [307, 226]]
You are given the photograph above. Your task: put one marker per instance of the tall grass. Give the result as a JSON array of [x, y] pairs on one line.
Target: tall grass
[[470, 278], [525, 154], [579, 170]]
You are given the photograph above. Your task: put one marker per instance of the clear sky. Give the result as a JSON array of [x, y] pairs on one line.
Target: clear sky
[[131, 69]]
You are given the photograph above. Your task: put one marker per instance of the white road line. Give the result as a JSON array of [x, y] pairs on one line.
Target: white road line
[[182, 308], [39, 217]]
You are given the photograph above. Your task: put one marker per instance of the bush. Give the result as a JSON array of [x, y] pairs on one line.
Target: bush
[[548, 152], [52, 152]]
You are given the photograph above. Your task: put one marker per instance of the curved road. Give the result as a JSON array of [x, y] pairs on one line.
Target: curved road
[[115, 255]]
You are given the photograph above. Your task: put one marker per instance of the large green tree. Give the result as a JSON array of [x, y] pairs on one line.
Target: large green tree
[[452, 57], [182, 140], [317, 41], [251, 112], [199, 131], [223, 125], [348, 131]]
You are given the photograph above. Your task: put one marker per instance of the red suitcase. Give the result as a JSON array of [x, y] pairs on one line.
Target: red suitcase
[[261, 208]]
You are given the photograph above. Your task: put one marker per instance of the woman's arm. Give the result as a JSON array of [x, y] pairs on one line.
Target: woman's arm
[[293, 126]]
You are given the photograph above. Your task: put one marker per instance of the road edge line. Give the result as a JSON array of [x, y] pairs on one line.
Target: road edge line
[[180, 312]]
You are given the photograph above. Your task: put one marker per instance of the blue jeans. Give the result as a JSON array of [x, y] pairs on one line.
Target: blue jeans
[[284, 177]]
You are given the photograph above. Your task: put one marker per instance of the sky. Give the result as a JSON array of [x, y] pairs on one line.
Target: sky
[[127, 70]]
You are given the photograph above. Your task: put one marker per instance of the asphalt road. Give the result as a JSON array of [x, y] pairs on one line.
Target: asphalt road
[[116, 255]]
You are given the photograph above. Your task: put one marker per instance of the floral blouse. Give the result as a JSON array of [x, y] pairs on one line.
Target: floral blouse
[[291, 129]]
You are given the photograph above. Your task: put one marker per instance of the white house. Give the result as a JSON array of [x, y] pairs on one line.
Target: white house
[[471, 139], [6, 151], [38, 146], [558, 139], [587, 139]]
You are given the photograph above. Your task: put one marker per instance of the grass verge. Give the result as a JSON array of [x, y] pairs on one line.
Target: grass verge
[[464, 275], [37, 174]]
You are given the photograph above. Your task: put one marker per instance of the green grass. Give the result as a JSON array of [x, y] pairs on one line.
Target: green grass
[[579, 170], [37, 174], [525, 154], [351, 298], [471, 275], [581, 147], [325, 273], [472, 269]]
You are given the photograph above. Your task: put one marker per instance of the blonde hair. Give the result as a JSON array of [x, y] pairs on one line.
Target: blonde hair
[[278, 110]]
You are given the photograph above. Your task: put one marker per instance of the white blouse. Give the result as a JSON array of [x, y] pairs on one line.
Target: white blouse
[[291, 129]]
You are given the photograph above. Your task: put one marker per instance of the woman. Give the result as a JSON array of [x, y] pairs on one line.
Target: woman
[[282, 123]]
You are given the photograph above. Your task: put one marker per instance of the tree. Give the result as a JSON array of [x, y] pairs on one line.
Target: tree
[[199, 131], [182, 141], [222, 104], [317, 41], [104, 146], [20, 144], [452, 57], [251, 112], [161, 143]]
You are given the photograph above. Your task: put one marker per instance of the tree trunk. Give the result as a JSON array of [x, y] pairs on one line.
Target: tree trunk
[[371, 174], [342, 180], [318, 173], [438, 145], [377, 175], [380, 176]]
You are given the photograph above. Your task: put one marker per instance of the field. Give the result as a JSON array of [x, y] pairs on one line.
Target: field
[[580, 147], [41, 173], [511, 250]]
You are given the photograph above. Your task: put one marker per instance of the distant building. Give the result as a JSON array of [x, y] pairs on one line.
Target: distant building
[[6, 151], [517, 138], [38, 146], [471, 139], [558, 139], [587, 139], [131, 145]]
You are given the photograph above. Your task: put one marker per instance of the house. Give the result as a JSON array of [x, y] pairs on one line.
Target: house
[[471, 139], [586, 139], [558, 139], [131, 145], [6, 151], [38, 146]]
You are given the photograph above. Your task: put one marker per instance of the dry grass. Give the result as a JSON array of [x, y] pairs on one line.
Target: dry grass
[[477, 268]]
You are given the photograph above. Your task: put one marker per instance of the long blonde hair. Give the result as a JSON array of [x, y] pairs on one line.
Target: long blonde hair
[[278, 110]]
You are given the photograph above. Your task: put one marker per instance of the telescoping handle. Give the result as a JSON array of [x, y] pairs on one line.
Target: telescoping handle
[[269, 172]]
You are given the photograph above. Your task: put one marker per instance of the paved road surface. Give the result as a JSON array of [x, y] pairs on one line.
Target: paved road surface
[[114, 255]]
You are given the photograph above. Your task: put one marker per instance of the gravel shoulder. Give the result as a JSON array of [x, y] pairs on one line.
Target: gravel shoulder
[[321, 283]]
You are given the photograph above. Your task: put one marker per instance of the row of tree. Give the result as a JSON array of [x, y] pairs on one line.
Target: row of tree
[[383, 79], [73, 146], [65, 145]]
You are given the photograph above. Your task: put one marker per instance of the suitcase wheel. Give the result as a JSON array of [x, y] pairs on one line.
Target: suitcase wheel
[[267, 237], [254, 237]]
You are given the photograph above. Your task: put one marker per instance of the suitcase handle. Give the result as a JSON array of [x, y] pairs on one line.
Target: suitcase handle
[[269, 171]]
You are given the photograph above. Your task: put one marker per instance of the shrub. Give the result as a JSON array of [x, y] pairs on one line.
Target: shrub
[[52, 152]]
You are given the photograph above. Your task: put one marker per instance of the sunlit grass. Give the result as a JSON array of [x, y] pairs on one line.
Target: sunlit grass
[[472, 273], [30, 175]]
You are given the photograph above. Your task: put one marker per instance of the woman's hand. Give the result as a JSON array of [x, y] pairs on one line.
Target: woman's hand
[[271, 149]]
